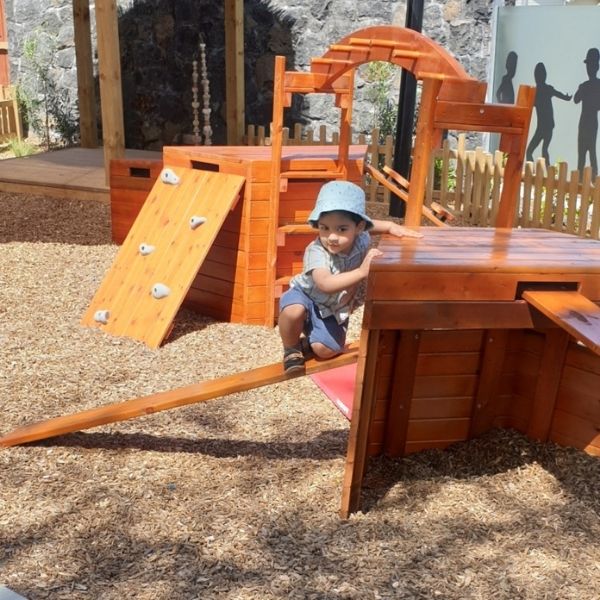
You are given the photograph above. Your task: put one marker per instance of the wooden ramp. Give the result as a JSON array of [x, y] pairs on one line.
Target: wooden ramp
[[191, 394], [572, 311], [156, 265]]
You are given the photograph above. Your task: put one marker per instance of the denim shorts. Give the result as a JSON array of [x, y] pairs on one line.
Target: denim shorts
[[326, 331]]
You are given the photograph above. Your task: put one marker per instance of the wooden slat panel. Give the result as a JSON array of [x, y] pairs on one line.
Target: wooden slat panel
[[572, 430], [163, 222]]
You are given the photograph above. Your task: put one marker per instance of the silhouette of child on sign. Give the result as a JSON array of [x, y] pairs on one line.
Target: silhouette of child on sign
[[506, 93], [588, 93], [544, 113]]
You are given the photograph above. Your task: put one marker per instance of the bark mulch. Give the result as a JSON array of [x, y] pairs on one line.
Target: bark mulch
[[238, 498]]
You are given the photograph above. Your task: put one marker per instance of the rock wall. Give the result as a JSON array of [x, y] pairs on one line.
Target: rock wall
[[159, 40]]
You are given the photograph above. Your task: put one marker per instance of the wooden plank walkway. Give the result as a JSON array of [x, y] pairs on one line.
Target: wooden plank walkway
[[67, 173]]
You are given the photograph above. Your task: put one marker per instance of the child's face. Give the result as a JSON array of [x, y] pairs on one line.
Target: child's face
[[337, 232]]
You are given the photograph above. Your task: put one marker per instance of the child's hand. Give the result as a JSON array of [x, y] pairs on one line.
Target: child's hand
[[366, 263], [401, 231]]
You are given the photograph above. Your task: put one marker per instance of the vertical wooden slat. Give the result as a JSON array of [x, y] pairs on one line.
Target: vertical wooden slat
[[362, 411], [548, 380], [573, 193], [538, 190], [88, 123], [405, 363], [109, 66], [422, 151], [373, 152], [528, 176], [387, 161], [548, 207], [585, 201], [595, 224], [445, 172], [460, 176], [234, 70], [488, 384], [468, 189], [561, 191]]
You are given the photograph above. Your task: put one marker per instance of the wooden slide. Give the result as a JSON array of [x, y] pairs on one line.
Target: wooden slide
[[156, 265], [191, 394]]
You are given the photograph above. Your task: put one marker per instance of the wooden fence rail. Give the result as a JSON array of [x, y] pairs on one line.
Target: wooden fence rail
[[469, 183]]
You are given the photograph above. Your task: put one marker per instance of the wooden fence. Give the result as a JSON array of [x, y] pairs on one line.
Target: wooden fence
[[469, 183], [10, 122]]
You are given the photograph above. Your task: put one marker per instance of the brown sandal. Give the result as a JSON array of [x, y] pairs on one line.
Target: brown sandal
[[293, 360]]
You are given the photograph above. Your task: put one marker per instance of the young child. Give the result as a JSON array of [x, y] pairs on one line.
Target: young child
[[321, 298]]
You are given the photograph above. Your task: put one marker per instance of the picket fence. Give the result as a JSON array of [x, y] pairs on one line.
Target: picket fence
[[10, 122], [469, 182]]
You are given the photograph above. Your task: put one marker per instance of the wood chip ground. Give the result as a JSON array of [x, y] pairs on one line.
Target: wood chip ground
[[238, 498]]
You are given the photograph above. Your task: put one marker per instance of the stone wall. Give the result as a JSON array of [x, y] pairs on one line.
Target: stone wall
[[159, 41]]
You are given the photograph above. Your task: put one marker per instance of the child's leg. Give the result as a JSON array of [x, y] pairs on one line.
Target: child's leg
[[291, 324], [292, 320], [327, 337]]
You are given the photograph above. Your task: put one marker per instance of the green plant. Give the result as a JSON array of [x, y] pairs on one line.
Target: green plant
[[380, 76], [21, 148], [438, 167], [44, 107]]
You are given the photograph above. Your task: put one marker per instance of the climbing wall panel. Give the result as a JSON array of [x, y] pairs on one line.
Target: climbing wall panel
[[144, 288]]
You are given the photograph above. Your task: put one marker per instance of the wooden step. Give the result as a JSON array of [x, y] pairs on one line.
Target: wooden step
[[312, 175], [281, 284], [191, 394], [408, 54], [294, 229]]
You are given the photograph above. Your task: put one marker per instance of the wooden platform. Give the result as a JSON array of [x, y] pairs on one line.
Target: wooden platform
[[69, 173], [467, 329]]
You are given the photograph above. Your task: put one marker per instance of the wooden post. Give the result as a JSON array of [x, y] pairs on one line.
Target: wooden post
[[234, 71], [422, 151], [88, 124], [4, 63], [362, 411], [111, 97]]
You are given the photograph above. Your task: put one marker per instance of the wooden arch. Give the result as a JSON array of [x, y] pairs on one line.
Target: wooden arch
[[405, 48]]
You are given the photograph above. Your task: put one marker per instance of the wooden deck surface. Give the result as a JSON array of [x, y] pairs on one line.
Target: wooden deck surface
[[69, 173]]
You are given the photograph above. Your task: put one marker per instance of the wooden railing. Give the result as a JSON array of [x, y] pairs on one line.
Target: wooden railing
[[469, 183], [10, 122]]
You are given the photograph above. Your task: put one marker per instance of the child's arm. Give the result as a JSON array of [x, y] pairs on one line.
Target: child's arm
[[330, 284], [380, 226], [560, 95]]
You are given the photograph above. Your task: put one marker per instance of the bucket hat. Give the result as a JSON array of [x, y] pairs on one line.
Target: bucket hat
[[340, 195]]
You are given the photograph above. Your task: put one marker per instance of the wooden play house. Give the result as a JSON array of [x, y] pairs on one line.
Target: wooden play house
[[464, 329]]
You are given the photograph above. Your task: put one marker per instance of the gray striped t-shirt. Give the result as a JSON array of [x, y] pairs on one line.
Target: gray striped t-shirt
[[316, 256]]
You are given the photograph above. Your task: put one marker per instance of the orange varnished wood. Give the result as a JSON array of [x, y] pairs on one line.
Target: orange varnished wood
[[163, 222], [573, 312], [402, 392], [471, 292], [191, 394]]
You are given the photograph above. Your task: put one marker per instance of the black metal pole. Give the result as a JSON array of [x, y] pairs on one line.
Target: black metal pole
[[406, 111]]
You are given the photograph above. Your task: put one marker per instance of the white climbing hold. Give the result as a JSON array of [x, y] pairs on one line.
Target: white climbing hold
[[169, 176], [146, 249], [197, 221], [101, 316], [160, 290]]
